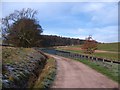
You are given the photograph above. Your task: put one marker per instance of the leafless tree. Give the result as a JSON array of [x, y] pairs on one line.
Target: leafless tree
[[89, 45]]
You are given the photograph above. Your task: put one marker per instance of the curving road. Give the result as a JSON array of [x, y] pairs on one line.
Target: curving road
[[73, 74]]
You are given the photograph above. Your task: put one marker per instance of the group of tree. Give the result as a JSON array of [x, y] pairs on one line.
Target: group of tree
[[50, 40]]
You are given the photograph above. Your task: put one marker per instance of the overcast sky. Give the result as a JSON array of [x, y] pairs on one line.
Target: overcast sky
[[73, 19]]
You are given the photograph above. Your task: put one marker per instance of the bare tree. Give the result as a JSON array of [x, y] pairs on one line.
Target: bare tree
[[89, 45]]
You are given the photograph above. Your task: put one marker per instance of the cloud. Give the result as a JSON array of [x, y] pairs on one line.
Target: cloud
[[92, 13], [104, 34], [60, 1], [85, 7], [98, 13], [73, 19], [106, 15]]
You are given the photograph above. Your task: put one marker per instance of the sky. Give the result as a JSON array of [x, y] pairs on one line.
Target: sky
[[73, 19]]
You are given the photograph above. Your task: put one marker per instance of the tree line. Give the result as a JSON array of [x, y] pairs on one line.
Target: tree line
[[50, 40]]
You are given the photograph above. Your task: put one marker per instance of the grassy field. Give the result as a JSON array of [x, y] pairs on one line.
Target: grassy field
[[112, 72], [111, 56], [103, 46], [109, 46], [47, 76], [112, 49]]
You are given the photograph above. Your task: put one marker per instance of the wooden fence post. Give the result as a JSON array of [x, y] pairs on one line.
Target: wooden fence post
[[111, 63], [104, 63]]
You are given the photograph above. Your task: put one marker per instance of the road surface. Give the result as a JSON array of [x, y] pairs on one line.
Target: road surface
[[73, 74]]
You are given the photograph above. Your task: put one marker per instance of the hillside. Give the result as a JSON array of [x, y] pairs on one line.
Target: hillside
[[21, 66]]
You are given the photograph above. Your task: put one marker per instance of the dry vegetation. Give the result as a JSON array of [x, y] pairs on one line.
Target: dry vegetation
[[48, 74]]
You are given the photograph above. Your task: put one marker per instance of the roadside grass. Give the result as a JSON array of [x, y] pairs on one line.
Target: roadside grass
[[111, 56], [47, 76], [112, 72]]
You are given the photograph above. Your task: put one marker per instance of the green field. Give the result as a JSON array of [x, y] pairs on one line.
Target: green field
[[103, 46], [111, 56], [111, 48]]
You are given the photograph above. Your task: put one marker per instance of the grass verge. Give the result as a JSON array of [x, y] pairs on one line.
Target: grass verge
[[47, 76], [110, 73]]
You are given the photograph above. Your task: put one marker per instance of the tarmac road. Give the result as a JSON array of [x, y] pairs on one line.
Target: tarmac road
[[73, 74]]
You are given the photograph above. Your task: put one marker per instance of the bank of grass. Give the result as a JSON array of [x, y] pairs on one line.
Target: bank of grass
[[112, 73], [10, 55], [22, 62], [47, 76]]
